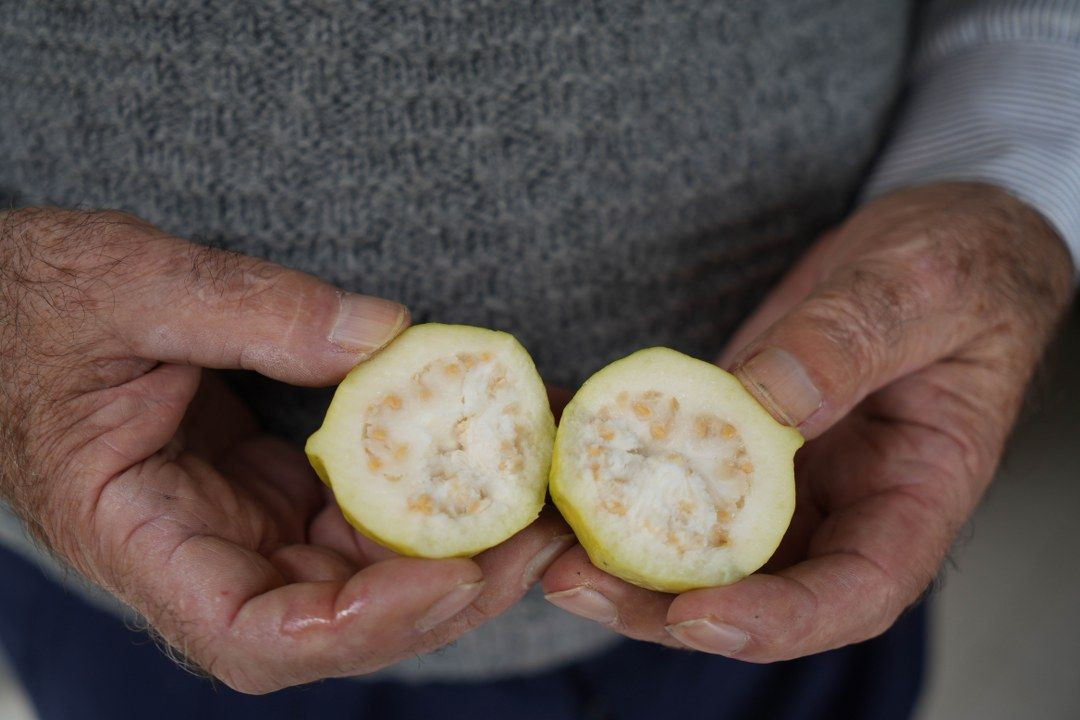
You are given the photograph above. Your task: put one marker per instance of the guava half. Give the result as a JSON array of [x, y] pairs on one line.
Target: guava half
[[671, 474], [440, 445]]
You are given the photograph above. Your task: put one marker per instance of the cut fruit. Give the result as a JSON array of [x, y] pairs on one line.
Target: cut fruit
[[440, 445], [671, 474]]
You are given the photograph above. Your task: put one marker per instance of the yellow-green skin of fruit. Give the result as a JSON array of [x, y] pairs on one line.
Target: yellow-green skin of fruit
[[358, 375], [604, 558]]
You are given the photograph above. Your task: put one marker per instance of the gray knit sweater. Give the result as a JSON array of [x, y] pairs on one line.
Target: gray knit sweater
[[594, 177]]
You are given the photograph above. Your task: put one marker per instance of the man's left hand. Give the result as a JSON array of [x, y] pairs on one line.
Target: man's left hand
[[901, 347]]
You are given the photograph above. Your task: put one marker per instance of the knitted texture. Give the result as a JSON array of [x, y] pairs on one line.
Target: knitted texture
[[594, 177]]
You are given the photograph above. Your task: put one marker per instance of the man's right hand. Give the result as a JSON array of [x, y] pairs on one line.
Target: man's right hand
[[151, 479]]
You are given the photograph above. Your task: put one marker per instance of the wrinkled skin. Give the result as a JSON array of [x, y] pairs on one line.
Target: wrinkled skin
[[138, 467], [920, 322]]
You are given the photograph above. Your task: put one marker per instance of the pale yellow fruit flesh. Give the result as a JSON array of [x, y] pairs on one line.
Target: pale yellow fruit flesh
[[671, 474], [440, 445]]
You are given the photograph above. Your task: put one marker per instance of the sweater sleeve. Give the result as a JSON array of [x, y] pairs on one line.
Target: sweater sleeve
[[994, 96]]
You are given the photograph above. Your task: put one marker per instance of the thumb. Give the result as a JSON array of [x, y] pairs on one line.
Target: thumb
[[217, 309], [865, 324]]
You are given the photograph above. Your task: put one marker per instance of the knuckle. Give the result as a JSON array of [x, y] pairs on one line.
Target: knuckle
[[231, 279], [273, 298], [842, 322], [867, 311], [211, 272]]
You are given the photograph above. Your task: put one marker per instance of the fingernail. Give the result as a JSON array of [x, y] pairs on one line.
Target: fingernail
[[364, 324], [545, 557], [585, 602], [449, 605], [709, 636], [782, 385]]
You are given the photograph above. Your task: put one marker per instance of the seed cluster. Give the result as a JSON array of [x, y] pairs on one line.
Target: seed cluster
[[681, 475], [450, 433]]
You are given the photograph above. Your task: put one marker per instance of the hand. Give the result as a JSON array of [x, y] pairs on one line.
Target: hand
[[148, 476], [901, 346]]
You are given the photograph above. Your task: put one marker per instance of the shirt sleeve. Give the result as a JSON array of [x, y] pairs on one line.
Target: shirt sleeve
[[994, 96]]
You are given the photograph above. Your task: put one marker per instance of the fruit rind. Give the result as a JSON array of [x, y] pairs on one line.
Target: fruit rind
[[334, 451], [769, 506]]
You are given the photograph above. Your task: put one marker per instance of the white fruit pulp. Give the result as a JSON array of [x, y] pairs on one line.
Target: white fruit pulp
[[678, 475], [452, 438]]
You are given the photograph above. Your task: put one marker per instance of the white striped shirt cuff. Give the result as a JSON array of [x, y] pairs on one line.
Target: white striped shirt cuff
[[1000, 110]]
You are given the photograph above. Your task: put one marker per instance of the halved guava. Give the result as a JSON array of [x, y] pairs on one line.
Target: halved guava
[[671, 474], [440, 445]]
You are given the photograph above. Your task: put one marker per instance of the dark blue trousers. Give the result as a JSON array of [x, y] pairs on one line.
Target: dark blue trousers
[[79, 663]]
